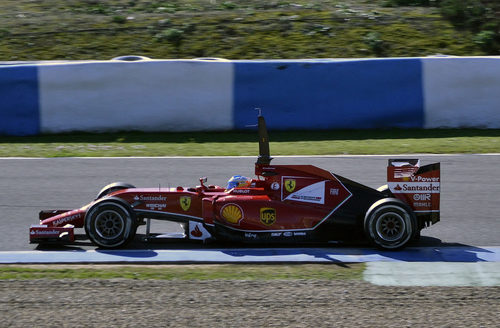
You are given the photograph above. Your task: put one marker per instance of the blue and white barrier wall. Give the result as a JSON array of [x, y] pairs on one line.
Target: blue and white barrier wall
[[197, 95]]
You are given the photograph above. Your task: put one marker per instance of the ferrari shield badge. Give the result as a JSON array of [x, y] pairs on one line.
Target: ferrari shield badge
[[290, 185], [185, 202]]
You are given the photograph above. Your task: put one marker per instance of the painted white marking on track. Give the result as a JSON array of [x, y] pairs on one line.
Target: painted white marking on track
[[433, 273]]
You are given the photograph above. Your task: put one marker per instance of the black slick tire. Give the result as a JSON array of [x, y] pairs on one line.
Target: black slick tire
[[110, 224], [390, 224]]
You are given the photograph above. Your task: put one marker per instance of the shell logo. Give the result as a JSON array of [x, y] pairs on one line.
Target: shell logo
[[232, 213]]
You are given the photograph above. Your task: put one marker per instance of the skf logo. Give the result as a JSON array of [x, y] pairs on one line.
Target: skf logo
[[232, 213], [290, 185], [185, 202], [267, 216]]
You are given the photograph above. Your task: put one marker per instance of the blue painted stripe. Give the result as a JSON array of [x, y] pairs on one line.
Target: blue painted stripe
[[330, 94], [259, 255], [19, 100]]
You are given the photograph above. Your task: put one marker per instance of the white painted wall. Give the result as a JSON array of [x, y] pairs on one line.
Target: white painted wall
[[147, 95], [461, 92]]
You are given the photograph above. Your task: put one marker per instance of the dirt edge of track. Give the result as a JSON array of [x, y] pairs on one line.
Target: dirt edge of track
[[193, 303]]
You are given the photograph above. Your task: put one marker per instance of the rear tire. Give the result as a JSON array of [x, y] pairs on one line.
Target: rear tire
[[110, 224], [390, 224]]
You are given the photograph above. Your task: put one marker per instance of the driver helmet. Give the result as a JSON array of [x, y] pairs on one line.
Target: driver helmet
[[238, 181]]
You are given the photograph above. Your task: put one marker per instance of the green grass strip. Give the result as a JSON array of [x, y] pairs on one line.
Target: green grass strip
[[186, 272], [353, 142], [85, 29]]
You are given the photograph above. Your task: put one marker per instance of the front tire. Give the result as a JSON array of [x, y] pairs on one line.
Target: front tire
[[113, 187], [110, 224], [390, 224]]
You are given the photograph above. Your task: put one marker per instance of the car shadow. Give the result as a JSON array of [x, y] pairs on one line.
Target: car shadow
[[427, 249]]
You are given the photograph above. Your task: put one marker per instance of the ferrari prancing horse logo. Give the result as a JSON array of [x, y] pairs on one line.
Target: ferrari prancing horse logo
[[290, 185], [185, 202]]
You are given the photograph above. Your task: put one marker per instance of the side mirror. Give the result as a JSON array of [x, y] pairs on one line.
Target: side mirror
[[202, 181]]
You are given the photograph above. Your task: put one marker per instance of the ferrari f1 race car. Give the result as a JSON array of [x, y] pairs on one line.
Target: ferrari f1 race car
[[288, 204]]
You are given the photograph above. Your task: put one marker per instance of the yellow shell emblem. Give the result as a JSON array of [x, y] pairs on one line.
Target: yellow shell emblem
[[231, 213]]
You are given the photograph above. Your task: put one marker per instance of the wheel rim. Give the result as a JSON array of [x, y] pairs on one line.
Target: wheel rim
[[109, 224], [390, 226]]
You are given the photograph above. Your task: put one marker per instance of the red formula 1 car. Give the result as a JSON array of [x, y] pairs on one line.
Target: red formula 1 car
[[284, 204]]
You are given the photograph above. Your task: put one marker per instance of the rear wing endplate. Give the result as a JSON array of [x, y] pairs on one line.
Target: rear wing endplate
[[418, 186]]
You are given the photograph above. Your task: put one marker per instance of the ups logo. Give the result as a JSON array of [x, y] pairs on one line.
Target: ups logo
[[267, 216]]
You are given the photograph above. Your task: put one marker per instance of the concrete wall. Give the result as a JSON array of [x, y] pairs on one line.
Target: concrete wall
[[204, 95]]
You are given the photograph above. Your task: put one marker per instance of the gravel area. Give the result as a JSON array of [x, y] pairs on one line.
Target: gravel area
[[230, 303]]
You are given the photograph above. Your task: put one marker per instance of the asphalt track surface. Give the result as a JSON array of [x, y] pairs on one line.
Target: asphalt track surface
[[470, 202]]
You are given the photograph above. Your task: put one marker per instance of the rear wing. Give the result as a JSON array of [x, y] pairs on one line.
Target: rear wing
[[418, 186]]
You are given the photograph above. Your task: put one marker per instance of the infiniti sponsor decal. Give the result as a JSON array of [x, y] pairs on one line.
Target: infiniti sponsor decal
[[250, 235]]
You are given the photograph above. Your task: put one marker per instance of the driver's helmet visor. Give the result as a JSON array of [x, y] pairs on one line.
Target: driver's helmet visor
[[238, 181]]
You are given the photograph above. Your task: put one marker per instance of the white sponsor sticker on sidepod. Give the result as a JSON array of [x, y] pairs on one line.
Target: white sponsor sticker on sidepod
[[314, 193], [414, 187], [198, 231]]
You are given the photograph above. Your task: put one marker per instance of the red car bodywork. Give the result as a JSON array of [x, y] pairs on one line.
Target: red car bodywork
[[284, 203]]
